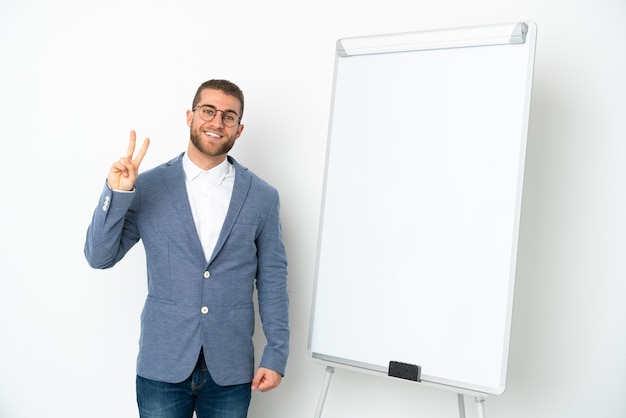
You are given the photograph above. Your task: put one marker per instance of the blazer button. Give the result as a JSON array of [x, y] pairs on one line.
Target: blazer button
[[107, 201], [207, 274], [204, 310]]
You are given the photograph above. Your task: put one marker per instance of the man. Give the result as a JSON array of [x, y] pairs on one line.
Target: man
[[211, 232]]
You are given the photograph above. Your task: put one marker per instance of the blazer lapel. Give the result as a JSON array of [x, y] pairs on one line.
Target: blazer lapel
[[176, 188], [240, 192]]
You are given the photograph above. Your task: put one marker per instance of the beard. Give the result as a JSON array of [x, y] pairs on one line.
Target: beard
[[209, 148]]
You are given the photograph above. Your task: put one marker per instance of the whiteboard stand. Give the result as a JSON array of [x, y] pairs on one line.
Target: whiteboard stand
[[480, 406], [461, 400], [320, 403], [330, 370]]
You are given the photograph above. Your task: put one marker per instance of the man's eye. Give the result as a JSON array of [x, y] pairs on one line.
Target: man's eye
[[209, 112]]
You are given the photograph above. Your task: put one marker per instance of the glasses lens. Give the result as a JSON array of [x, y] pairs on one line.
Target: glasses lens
[[206, 113], [230, 119]]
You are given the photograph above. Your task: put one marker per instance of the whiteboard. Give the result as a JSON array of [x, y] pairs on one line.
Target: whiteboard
[[421, 204]]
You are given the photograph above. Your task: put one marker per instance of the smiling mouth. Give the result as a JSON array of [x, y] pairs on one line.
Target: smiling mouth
[[212, 135]]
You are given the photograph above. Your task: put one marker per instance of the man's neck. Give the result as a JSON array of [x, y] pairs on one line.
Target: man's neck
[[205, 162]]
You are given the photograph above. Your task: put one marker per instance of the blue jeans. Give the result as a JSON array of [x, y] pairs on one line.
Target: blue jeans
[[198, 393]]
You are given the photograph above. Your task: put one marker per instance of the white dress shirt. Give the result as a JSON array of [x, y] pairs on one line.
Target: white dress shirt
[[209, 195]]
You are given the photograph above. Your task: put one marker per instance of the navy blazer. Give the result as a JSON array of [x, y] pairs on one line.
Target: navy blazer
[[192, 304]]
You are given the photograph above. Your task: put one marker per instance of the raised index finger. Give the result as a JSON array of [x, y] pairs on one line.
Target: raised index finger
[[131, 145]]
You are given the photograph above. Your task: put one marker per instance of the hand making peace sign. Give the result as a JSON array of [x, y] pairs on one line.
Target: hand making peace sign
[[124, 172]]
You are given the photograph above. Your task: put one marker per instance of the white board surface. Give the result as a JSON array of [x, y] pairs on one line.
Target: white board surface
[[421, 207]]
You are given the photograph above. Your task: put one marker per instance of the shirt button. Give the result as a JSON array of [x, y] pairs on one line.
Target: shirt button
[[207, 274], [204, 310]]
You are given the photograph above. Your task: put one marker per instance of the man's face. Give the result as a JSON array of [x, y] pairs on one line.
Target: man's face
[[213, 138]]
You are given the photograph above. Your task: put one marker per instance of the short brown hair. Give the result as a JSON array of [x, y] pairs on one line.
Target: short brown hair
[[225, 86]]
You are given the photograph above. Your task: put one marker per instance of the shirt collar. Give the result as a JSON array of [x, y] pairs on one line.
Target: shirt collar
[[217, 174]]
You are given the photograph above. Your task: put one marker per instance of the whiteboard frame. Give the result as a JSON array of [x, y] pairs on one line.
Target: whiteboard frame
[[500, 34]]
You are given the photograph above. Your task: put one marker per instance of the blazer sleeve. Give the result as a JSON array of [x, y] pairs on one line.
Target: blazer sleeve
[[272, 291], [113, 229]]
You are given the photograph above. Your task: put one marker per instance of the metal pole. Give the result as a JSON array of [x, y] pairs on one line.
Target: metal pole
[[461, 400], [480, 406], [322, 399]]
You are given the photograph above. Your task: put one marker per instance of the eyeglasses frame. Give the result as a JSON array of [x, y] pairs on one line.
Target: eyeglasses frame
[[218, 110]]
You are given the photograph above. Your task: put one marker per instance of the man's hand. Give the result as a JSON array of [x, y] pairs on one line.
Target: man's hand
[[124, 172], [266, 380]]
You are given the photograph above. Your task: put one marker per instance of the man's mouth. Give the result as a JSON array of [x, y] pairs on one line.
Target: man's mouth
[[212, 134]]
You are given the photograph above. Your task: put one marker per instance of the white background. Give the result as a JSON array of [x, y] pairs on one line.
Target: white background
[[77, 76]]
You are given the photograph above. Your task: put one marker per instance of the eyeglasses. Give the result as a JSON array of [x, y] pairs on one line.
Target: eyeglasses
[[208, 112]]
